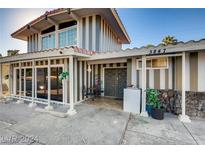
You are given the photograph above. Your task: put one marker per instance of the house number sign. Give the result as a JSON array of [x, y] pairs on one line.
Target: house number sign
[[157, 51]]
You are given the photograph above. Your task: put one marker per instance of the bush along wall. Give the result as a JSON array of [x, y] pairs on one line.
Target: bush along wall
[[195, 102]]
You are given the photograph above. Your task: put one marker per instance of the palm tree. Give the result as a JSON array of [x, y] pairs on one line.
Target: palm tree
[[169, 40], [12, 52]]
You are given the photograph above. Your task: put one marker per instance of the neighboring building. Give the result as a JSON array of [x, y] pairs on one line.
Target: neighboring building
[[87, 43]]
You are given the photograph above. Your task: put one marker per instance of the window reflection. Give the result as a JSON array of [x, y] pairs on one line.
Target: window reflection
[[56, 84], [29, 82], [42, 80]]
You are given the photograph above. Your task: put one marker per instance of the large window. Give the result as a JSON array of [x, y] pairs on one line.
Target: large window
[[48, 41], [68, 37], [56, 84], [155, 63], [42, 83], [29, 82]]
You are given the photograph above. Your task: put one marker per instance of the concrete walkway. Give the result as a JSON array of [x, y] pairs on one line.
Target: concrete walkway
[[20, 124], [141, 130]]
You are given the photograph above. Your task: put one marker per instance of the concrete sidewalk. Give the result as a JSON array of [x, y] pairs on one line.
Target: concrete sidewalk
[[91, 125], [20, 124], [141, 130]]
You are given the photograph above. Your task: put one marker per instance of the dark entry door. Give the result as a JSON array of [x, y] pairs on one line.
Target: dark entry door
[[115, 81]]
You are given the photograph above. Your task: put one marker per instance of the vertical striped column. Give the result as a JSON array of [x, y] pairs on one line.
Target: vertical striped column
[[201, 71], [143, 109], [93, 74], [56, 37], [89, 76], [87, 33], [133, 71], [49, 107], [1, 92], [81, 80], [85, 77], [94, 32], [162, 78], [71, 110], [66, 81], [170, 69], [101, 35], [75, 81], [39, 42], [151, 78], [102, 79]]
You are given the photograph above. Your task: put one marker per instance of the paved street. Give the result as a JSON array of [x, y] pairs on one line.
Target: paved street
[[20, 124]]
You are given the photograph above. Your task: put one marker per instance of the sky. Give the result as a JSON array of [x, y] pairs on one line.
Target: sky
[[144, 26]]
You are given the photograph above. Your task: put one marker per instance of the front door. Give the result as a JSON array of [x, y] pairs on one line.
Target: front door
[[115, 81]]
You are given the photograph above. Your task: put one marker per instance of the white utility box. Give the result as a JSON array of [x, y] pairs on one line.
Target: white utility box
[[131, 100]]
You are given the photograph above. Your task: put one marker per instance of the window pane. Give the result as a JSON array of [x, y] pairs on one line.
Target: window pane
[[68, 37], [56, 84], [48, 42], [17, 81], [29, 82], [42, 83]]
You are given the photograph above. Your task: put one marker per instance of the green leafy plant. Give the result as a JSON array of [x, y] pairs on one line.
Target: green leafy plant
[[64, 75], [152, 96]]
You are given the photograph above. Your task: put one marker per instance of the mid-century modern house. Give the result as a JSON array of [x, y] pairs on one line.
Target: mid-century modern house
[[87, 43]]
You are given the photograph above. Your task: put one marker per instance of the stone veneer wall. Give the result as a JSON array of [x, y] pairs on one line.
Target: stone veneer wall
[[195, 102]]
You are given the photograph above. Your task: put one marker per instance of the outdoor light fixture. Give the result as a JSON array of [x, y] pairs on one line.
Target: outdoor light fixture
[[89, 69], [60, 52], [41, 87]]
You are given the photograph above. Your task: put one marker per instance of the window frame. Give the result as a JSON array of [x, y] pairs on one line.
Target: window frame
[[152, 68], [64, 30]]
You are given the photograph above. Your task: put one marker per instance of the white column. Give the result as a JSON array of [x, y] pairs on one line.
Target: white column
[[10, 79], [94, 32], [187, 65], [66, 81], [19, 101], [85, 77], [134, 72], [143, 111], [1, 94], [183, 117], [71, 110], [24, 92], [81, 80], [49, 107], [33, 104], [75, 80], [78, 33]]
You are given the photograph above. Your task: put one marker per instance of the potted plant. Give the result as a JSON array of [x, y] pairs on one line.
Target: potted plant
[[157, 111], [149, 104], [153, 105]]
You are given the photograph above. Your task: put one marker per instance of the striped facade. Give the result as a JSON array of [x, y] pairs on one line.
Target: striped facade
[[94, 33], [171, 78]]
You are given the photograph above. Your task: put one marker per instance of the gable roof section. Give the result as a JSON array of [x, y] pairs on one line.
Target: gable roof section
[[110, 15], [55, 53]]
